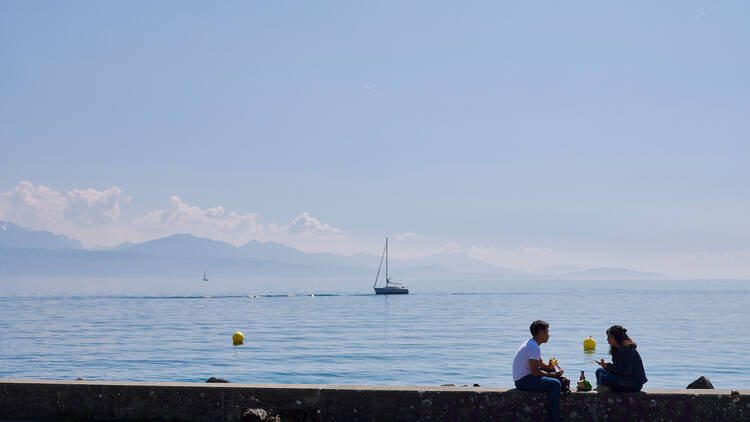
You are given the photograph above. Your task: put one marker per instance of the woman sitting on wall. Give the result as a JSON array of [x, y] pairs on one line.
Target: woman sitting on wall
[[626, 372]]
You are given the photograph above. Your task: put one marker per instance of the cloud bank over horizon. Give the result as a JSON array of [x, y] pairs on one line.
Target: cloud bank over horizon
[[101, 218], [39, 207], [95, 217]]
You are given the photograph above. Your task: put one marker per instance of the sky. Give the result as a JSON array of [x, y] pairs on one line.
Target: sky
[[527, 135]]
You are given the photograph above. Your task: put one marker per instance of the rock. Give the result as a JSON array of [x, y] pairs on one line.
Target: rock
[[476, 385], [260, 415], [214, 379], [735, 396], [255, 415], [447, 385], [701, 383]]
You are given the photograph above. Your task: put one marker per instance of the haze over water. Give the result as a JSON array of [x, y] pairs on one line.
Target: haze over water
[[457, 332]]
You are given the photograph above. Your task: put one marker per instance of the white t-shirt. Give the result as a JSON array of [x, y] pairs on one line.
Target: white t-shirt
[[528, 350]]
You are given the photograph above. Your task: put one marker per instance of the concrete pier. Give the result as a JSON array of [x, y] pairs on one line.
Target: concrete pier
[[141, 401]]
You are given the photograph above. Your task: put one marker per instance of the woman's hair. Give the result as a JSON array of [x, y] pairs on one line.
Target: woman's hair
[[620, 335]]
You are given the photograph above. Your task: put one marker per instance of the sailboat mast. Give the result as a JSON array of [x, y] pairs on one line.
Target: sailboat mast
[[386, 260], [381, 264]]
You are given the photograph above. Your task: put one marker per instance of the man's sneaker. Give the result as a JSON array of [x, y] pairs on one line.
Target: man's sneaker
[[601, 388]]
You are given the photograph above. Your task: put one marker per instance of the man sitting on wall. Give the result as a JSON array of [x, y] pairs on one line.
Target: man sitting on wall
[[530, 373]]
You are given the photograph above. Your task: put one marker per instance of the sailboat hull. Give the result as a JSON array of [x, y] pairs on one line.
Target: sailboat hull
[[391, 291]]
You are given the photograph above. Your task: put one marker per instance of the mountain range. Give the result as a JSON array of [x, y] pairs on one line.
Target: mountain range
[[28, 253], [11, 235]]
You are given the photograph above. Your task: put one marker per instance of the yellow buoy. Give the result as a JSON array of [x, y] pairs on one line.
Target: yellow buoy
[[238, 338], [589, 344]]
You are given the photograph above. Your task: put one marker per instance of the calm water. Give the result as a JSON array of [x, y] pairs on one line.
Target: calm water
[[460, 333]]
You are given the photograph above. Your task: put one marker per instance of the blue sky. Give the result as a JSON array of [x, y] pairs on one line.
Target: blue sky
[[527, 135]]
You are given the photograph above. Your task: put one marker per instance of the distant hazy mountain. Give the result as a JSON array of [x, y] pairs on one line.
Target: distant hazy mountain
[[32, 253], [13, 236], [460, 263], [557, 270], [113, 248], [23, 262], [272, 251], [185, 245], [612, 274]]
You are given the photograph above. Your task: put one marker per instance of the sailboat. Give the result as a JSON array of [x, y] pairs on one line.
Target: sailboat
[[391, 287], [204, 276]]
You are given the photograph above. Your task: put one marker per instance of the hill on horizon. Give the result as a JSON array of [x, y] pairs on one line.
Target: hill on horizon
[[14, 236], [606, 273], [179, 252]]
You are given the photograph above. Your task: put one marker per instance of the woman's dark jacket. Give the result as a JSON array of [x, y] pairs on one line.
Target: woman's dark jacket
[[627, 363]]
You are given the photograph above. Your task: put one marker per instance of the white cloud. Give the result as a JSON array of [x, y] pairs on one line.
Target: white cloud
[[92, 207], [95, 217], [100, 218], [32, 206], [407, 235], [217, 223], [449, 248], [40, 207], [304, 223], [532, 251], [181, 217]]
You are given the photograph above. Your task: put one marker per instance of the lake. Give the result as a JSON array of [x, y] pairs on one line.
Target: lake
[[339, 333]]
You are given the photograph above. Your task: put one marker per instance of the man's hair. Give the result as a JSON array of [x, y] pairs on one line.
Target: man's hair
[[537, 326]]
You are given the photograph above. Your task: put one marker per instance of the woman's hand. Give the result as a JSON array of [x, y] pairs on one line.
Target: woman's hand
[[601, 363]]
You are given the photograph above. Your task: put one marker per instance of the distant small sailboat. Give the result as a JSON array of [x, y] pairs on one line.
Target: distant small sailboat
[[391, 287], [204, 276]]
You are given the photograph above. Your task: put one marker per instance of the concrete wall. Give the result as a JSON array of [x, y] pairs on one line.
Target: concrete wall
[[131, 401]]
